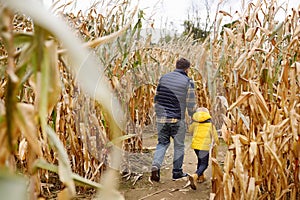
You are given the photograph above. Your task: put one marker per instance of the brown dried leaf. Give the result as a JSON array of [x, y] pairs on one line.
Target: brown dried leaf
[[251, 192], [54, 85], [251, 33], [230, 34], [238, 163], [294, 122], [241, 99], [273, 154], [23, 149], [25, 120], [252, 151], [296, 31], [225, 13], [242, 58], [260, 100], [225, 134], [243, 139]]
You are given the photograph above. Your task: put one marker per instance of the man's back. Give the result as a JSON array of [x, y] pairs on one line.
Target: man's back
[[170, 99]]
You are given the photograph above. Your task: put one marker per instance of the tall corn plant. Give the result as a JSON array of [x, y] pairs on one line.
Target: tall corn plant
[[258, 60], [34, 68]]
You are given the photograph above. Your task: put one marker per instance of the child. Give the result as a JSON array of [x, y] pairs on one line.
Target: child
[[203, 132]]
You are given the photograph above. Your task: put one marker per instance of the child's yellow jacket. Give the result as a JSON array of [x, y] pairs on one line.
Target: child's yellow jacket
[[203, 131]]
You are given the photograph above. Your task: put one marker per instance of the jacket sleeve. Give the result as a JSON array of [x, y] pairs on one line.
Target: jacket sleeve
[[156, 92], [191, 102], [191, 127]]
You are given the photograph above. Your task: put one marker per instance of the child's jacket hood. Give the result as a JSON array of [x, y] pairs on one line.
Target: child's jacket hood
[[201, 116]]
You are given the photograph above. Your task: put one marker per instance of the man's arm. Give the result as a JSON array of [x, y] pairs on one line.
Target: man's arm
[[191, 102]]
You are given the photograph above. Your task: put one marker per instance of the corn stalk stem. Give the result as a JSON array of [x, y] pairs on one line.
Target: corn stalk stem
[[12, 78]]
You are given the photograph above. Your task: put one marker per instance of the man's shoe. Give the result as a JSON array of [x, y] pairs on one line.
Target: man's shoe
[[155, 175], [201, 179], [179, 175], [193, 180]]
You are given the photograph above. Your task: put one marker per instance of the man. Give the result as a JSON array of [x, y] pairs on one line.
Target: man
[[174, 95]]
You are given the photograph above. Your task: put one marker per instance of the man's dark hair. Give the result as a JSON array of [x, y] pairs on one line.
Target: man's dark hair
[[182, 63]]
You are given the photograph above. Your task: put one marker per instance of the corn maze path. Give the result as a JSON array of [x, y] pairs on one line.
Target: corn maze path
[[167, 189]]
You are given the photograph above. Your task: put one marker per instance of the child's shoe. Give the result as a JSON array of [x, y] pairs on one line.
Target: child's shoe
[[201, 179]]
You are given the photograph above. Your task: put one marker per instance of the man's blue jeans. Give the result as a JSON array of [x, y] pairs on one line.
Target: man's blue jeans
[[166, 131]]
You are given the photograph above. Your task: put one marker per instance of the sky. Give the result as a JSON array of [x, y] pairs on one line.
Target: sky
[[172, 13], [176, 11]]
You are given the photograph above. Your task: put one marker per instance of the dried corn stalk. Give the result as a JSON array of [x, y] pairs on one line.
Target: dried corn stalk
[[262, 89]]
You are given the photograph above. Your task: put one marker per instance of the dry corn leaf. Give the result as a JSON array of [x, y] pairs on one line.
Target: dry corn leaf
[[223, 101], [242, 58], [296, 31], [278, 187], [58, 115], [256, 45], [294, 43], [284, 78], [64, 168], [297, 66], [54, 84], [296, 148], [238, 163], [251, 33], [274, 155], [254, 111], [294, 122], [243, 139], [23, 148], [260, 100], [225, 13], [245, 119], [85, 148], [264, 30], [217, 171], [294, 88], [230, 34], [241, 99], [251, 191], [101, 133], [252, 151], [25, 120], [283, 192], [217, 177], [2, 108], [285, 143], [225, 134], [228, 186], [278, 129]]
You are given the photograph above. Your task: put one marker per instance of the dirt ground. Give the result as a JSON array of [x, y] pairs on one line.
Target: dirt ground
[[168, 189]]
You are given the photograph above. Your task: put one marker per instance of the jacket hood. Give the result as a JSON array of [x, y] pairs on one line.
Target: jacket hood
[[201, 116]]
